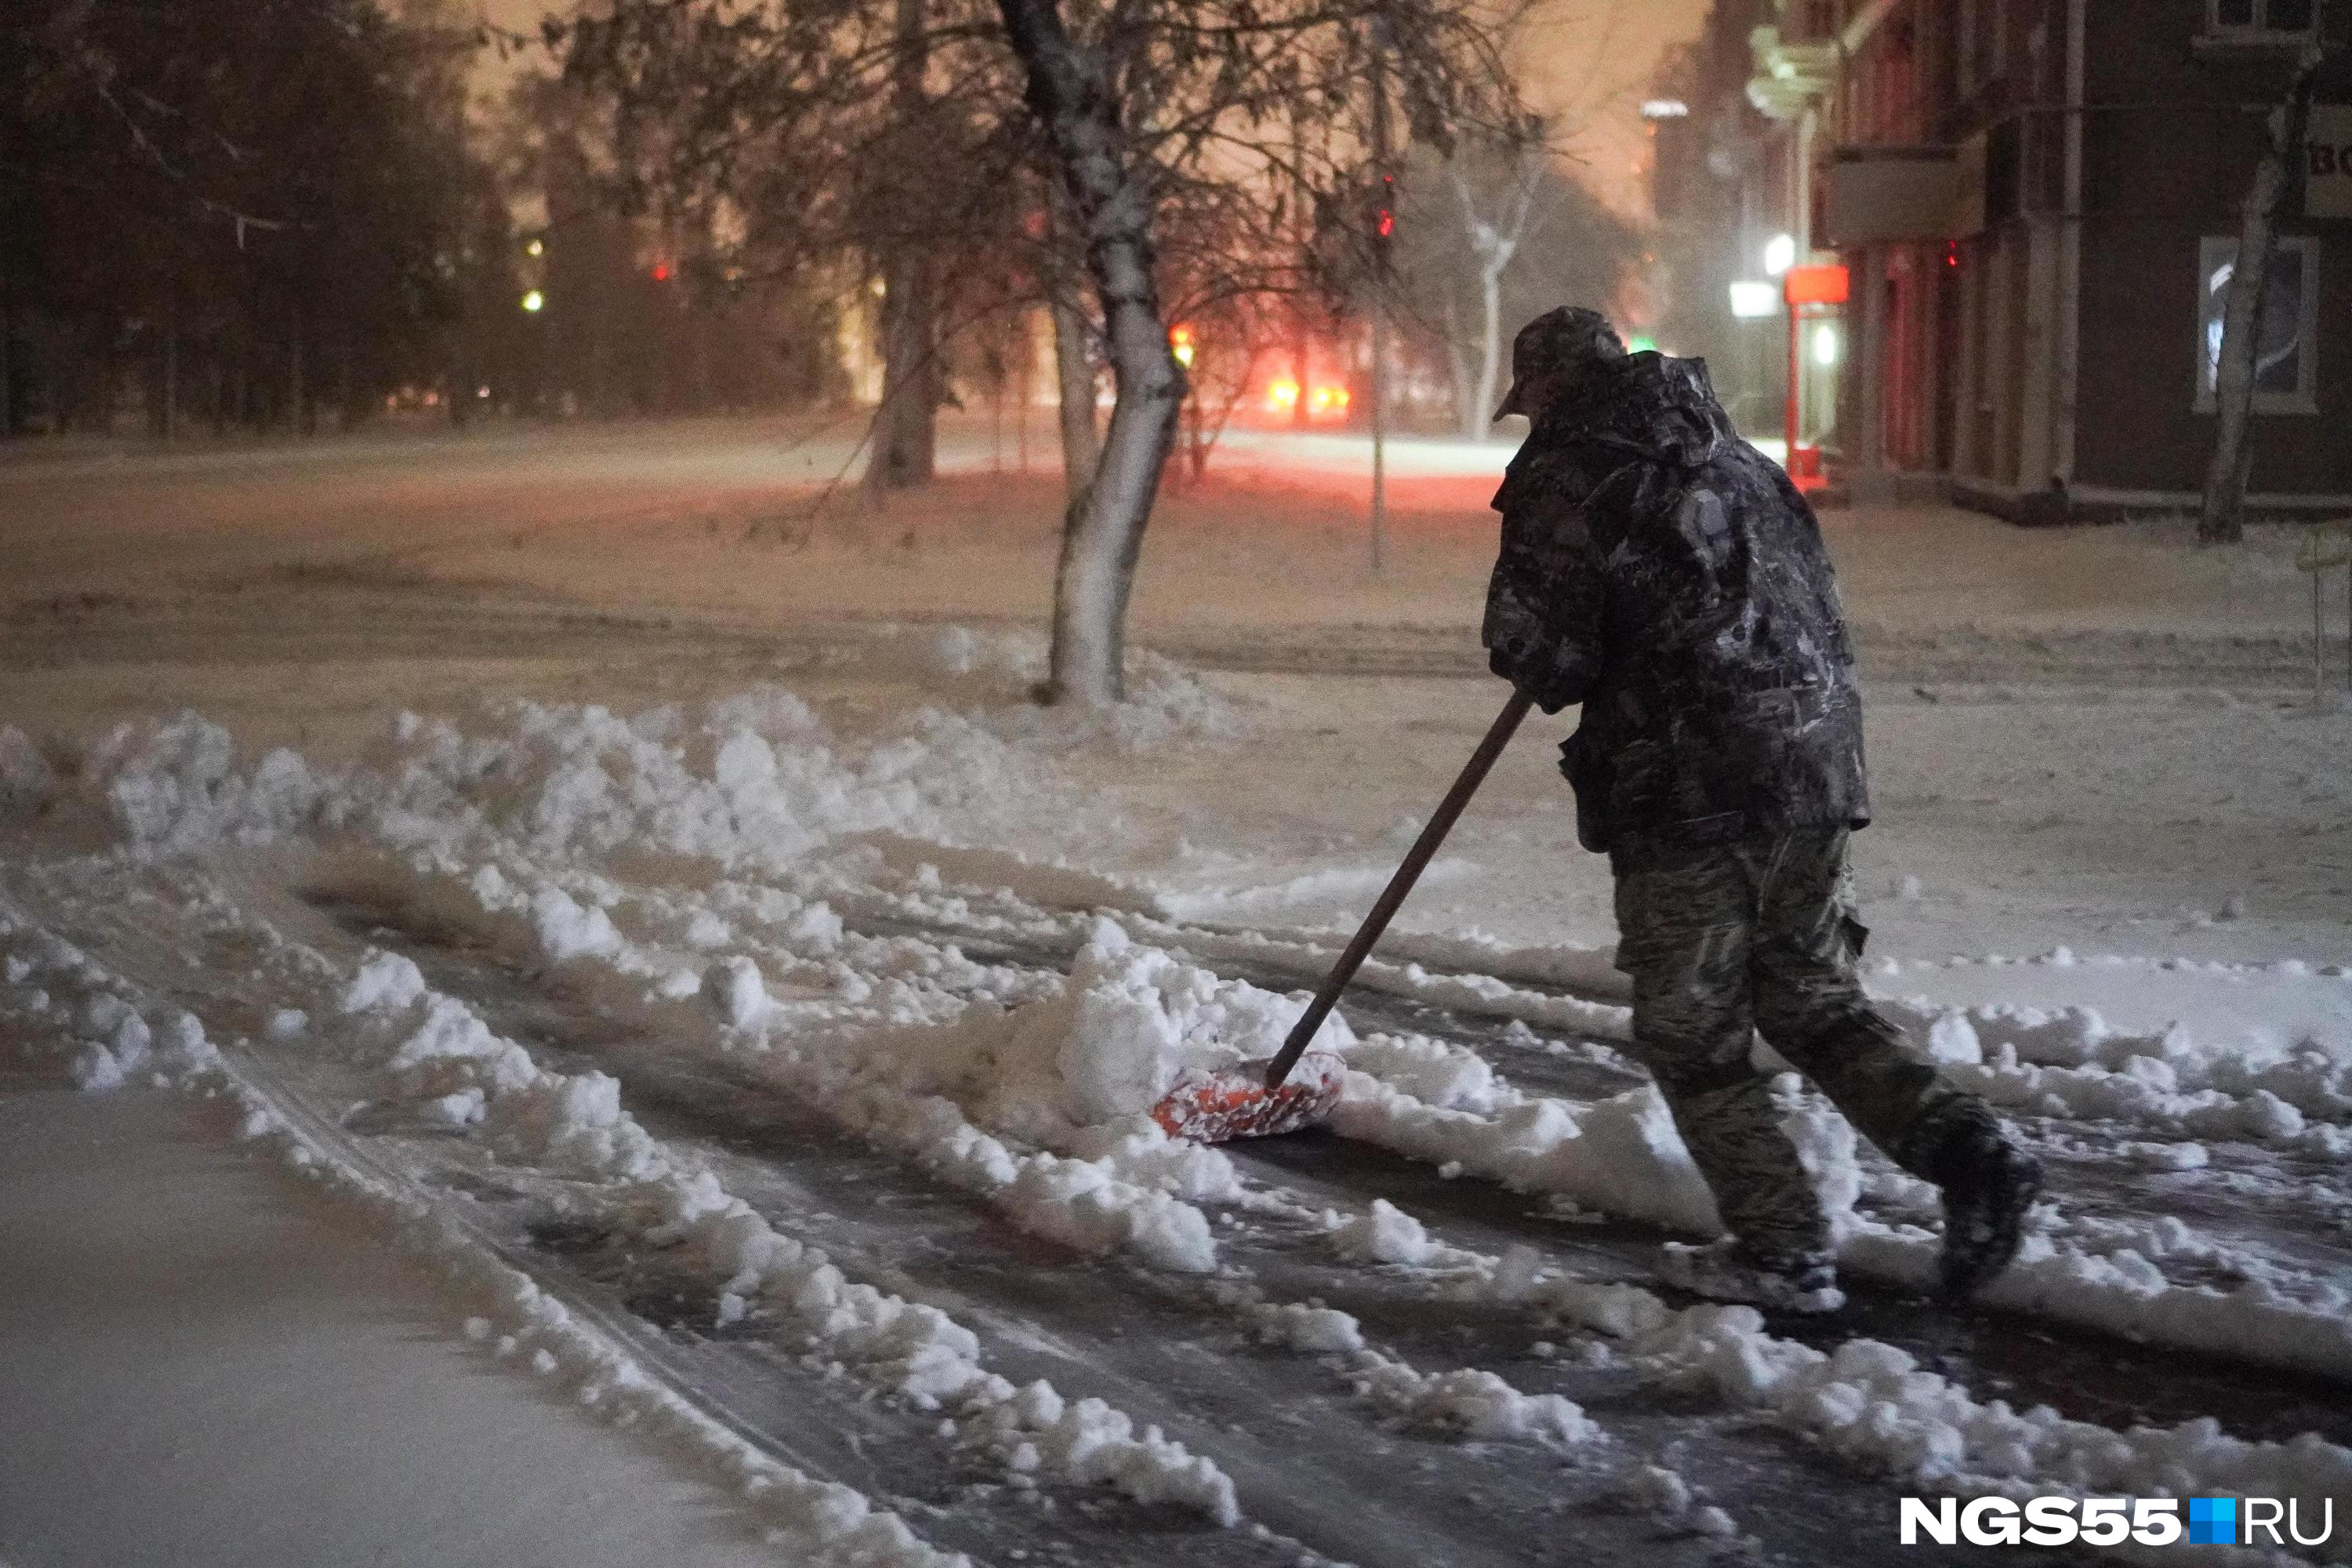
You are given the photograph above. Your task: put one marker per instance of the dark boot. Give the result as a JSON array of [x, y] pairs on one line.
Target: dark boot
[[1990, 1184]]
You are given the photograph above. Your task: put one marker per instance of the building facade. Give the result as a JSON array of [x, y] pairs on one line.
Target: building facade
[[2037, 202]]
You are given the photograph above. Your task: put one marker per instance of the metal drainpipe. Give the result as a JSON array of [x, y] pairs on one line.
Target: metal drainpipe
[[2070, 251], [1801, 226]]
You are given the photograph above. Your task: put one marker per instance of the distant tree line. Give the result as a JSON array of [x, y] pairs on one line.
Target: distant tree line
[[263, 215]]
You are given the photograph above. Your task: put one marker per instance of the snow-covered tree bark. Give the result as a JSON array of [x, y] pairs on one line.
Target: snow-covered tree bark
[[1074, 373], [2224, 518], [1494, 244], [1071, 93]]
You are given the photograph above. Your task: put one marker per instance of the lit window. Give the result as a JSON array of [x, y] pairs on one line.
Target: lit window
[[2287, 370]]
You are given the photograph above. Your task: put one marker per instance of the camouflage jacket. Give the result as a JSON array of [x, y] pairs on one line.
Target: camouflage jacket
[[1664, 573]]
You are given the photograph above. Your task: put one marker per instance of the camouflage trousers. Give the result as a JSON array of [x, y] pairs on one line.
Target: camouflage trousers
[[1734, 933]]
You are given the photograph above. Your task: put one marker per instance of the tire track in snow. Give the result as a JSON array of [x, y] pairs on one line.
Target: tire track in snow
[[1167, 1348]]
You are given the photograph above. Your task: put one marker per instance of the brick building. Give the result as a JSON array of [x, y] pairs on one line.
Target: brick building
[[2037, 202]]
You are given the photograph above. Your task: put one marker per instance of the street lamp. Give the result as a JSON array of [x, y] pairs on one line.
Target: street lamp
[[533, 301], [1779, 254]]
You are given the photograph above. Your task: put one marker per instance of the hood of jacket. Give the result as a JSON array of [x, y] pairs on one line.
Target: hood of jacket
[[1646, 405]]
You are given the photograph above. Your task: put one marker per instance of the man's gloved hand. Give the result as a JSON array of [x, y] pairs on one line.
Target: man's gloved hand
[[1531, 673]]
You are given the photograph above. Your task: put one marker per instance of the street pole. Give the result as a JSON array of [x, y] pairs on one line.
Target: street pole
[[1385, 223], [1796, 369]]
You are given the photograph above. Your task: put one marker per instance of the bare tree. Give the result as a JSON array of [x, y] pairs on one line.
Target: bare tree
[[1162, 104], [1493, 241], [1161, 125], [1494, 236], [1072, 93], [2276, 177]]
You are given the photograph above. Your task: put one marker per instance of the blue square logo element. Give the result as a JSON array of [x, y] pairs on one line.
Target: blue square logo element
[[2213, 1521]]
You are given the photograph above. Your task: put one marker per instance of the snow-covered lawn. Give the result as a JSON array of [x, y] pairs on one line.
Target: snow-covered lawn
[[662, 913]]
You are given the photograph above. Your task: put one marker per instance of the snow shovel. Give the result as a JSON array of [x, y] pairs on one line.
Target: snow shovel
[[1260, 1099]]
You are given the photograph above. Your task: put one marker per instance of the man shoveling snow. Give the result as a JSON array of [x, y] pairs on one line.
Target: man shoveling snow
[[1665, 575]]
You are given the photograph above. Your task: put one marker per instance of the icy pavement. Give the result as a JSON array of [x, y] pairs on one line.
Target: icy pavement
[[764, 1072], [267, 1317]]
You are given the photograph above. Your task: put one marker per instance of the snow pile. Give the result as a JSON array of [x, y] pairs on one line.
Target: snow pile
[[1131, 1022], [2105, 1274], [454, 1067], [1384, 1233], [175, 785], [2068, 1062], [108, 1034], [1467, 1401], [1476, 1403], [1089, 1443], [1000, 669], [1620, 1154], [1315, 1330], [1655, 1489], [1871, 1405], [995, 1100], [755, 780], [385, 981]]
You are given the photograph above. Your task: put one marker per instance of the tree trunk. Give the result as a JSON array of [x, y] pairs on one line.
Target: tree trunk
[[1457, 367], [1070, 93], [905, 426], [2224, 518], [1073, 371], [1490, 349], [7, 390], [170, 410], [1302, 331], [298, 395]]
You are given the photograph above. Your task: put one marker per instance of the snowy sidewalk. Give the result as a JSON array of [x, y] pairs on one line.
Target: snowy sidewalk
[[203, 1362]]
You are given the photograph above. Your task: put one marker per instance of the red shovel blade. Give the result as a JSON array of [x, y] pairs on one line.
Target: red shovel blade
[[1233, 1102]]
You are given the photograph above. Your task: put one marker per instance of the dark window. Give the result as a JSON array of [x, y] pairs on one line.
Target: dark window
[[2004, 161], [2259, 16]]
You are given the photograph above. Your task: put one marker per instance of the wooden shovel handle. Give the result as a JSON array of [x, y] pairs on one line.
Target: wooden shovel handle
[[1425, 849]]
